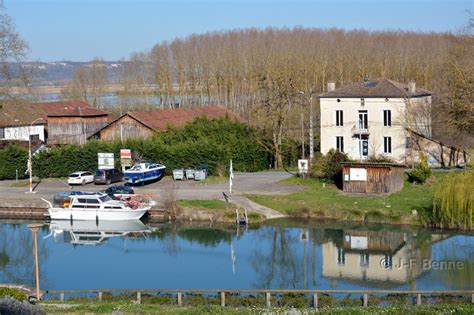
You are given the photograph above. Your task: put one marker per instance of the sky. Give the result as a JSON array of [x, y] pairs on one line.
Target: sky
[[79, 30]]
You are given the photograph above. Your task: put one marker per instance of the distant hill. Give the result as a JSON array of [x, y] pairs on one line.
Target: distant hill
[[60, 72]]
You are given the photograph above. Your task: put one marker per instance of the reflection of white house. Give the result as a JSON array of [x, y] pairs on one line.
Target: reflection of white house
[[383, 118], [381, 258]]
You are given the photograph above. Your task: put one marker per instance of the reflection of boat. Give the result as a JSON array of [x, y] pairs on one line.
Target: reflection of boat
[[90, 233], [143, 172], [97, 206]]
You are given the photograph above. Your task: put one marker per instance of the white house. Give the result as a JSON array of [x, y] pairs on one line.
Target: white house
[[372, 118]]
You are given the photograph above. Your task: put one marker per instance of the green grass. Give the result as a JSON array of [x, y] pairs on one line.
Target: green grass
[[128, 307], [212, 204], [327, 201], [26, 182]]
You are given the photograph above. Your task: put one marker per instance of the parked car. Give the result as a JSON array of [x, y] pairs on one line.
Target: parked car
[[108, 176], [80, 178]]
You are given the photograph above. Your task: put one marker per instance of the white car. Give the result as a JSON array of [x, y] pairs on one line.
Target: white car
[[80, 178]]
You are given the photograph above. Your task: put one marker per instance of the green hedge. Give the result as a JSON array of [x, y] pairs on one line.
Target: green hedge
[[204, 141], [13, 158]]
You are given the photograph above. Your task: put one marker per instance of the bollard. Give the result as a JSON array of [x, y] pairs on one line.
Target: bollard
[[223, 299], [418, 299], [267, 299], [61, 296], [99, 296], [315, 300], [180, 299], [139, 297], [366, 300]]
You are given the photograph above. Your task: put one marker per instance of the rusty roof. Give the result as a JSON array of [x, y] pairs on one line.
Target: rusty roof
[[22, 112], [161, 119], [78, 112], [383, 88]]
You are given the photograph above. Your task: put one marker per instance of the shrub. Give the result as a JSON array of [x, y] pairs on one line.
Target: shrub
[[453, 200], [328, 167], [421, 173], [15, 307], [380, 159], [13, 158], [13, 293]]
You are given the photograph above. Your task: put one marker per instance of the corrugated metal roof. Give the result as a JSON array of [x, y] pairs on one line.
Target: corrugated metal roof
[[383, 88]]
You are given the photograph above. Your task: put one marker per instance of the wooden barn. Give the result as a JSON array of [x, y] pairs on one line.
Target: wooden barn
[[365, 177], [142, 124], [74, 125]]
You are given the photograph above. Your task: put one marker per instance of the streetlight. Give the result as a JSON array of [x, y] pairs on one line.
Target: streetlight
[[34, 230], [30, 161]]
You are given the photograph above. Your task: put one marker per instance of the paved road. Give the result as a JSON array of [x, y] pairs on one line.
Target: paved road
[[262, 183]]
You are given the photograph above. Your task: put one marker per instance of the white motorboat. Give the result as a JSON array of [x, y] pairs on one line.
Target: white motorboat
[[94, 233], [96, 206]]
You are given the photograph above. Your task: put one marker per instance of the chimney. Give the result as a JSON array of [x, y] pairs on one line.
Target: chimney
[[331, 86], [412, 87]]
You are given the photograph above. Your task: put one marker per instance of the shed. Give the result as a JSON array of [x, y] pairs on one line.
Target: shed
[[366, 177]]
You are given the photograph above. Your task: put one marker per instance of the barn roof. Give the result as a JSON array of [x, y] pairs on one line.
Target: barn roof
[[78, 112], [383, 88], [161, 119], [21, 112]]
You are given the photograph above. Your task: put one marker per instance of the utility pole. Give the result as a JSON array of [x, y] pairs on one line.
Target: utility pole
[[311, 131], [302, 136]]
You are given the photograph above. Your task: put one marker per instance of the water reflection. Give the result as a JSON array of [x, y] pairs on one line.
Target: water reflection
[[95, 233], [281, 255]]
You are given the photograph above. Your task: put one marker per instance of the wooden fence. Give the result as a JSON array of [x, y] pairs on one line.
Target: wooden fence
[[268, 294]]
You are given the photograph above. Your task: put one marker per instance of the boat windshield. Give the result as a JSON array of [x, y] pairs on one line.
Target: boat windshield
[[136, 168], [105, 198]]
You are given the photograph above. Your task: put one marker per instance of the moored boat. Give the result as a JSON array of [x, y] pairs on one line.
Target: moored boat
[[143, 172], [96, 206]]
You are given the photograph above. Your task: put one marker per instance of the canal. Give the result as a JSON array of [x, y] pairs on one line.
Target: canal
[[284, 254]]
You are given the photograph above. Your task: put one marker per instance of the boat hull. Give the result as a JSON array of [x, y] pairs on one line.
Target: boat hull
[[135, 177], [92, 214]]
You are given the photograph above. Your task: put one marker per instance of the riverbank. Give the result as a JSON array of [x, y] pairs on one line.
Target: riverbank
[[412, 205]]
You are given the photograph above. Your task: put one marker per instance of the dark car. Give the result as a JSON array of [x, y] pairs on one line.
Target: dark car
[[107, 176]]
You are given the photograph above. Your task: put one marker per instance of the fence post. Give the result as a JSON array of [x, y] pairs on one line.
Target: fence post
[[366, 299], [315, 300], [180, 299], [267, 299], [418, 299], [223, 299], [61, 296], [99, 296], [139, 297]]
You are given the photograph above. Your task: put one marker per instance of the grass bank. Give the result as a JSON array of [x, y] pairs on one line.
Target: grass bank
[[212, 210], [131, 308], [411, 205]]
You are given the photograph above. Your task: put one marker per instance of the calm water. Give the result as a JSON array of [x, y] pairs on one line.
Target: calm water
[[285, 254]]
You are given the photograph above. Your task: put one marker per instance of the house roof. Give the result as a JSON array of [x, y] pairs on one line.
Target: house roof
[[21, 112], [383, 88]]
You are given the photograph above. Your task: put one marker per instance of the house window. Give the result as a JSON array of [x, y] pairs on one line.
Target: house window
[[34, 137], [387, 144], [363, 120], [387, 118], [340, 144], [409, 143], [2, 133], [341, 256], [339, 118]]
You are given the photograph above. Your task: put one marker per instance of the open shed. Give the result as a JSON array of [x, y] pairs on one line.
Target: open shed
[[365, 177]]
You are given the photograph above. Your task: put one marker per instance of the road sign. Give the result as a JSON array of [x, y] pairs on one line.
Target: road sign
[[106, 160]]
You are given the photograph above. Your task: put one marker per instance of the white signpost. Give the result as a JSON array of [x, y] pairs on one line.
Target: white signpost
[[359, 174], [125, 158], [106, 161], [303, 166]]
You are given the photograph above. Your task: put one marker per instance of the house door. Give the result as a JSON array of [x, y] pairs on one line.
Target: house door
[[364, 148]]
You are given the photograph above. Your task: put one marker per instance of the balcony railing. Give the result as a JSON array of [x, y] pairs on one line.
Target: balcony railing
[[359, 130]]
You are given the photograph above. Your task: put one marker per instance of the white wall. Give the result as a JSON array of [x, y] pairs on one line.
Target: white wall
[[22, 133], [375, 108]]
